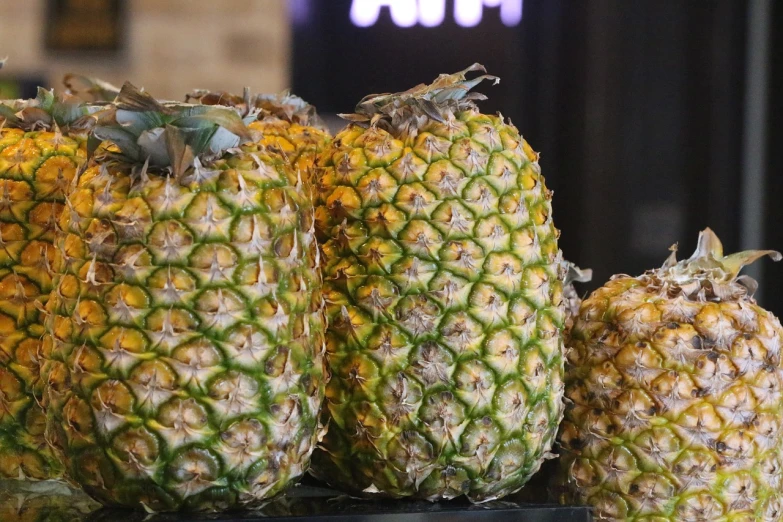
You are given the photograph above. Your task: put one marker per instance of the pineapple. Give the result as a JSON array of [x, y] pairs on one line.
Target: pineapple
[[674, 395], [185, 366], [444, 297], [41, 147], [43, 501], [542, 484]]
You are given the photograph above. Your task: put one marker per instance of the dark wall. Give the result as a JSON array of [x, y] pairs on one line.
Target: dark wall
[[351, 62], [635, 106], [638, 113], [773, 276]]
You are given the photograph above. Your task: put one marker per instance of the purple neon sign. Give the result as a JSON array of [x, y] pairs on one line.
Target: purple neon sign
[[431, 13]]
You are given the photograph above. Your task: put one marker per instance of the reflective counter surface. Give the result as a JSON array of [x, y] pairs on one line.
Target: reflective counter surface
[[309, 501]]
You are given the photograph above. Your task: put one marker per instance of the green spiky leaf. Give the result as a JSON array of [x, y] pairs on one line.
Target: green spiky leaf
[[154, 146], [169, 134], [123, 139], [93, 142], [221, 140], [45, 99], [8, 114], [69, 111], [137, 122], [227, 118], [46, 109], [735, 262]]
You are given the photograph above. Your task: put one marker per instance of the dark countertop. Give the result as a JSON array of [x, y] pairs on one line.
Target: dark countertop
[[312, 501], [309, 502]]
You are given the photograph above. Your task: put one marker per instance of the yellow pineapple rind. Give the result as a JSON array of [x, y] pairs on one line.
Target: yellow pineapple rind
[[674, 407], [36, 169], [186, 367]]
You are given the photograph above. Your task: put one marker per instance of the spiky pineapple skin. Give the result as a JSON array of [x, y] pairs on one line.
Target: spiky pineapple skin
[[444, 302], [185, 366], [674, 408], [36, 169], [300, 144]]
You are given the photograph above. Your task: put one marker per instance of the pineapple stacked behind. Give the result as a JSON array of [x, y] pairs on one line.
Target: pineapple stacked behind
[[444, 297], [37, 163], [185, 366], [674, 392], [287, 124], [43, 501]]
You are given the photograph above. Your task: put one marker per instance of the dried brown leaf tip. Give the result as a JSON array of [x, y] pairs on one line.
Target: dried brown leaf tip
[[90, 89]]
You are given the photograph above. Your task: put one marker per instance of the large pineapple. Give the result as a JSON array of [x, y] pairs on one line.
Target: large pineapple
[[41, 147], [185, 366], [674, 395], [444, 297]]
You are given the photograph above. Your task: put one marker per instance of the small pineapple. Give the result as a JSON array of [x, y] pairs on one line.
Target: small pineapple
[[674, 406], [42, 145], [185, 368], [444, 295]]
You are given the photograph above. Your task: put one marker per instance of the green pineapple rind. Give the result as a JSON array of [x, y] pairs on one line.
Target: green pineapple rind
[[185, 366], [444, 297]]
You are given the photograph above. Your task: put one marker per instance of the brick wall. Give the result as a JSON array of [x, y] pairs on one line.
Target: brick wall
[[172, 46]]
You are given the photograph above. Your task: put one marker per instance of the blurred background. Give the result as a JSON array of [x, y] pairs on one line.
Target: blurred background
[[654, 118]]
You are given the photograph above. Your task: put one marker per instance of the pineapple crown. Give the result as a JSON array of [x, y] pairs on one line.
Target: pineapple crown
[[283, 106], [47, 111], [166, 135], [438, 101], [89, 89], [708, 274]]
